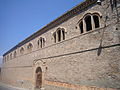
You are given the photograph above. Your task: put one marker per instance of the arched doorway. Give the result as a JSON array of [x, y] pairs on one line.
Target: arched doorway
[[38, 77]]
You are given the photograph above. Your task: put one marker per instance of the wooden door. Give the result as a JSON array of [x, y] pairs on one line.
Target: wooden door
[[39, 79]]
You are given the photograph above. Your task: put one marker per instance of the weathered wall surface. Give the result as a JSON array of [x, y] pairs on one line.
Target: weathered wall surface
[[91, 58]]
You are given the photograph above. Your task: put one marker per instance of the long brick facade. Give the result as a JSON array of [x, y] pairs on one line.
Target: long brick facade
[[79, 50]]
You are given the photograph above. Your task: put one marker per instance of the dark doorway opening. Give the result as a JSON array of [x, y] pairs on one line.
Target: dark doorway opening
[[38, 77]]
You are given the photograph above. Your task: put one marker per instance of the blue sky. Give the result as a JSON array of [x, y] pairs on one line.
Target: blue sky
[[21, 18]]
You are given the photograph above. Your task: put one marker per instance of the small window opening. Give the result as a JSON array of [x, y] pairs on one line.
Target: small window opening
[[81, 26], [11, 56], [22, 50], [59, 35], [63, 32], [43, 42], [15, 53], [40, 42], [96, 21], [54, 37], [88, 23], [30, 46]]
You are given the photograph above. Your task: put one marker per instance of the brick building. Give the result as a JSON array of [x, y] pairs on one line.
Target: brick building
[[79, 48]]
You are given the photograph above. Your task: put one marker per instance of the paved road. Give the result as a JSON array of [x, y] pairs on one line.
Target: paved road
[[6, 87]]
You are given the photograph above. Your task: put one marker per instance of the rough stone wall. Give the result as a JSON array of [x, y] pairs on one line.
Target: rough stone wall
[[85, 67], [80, 59]]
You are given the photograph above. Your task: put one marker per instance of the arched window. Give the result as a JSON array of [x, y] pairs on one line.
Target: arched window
[[30, 46], [81, 26], [11, 56], [15, 54], [96, 21], [41, 42], [59, 35], [22, 50], [88, 23]]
